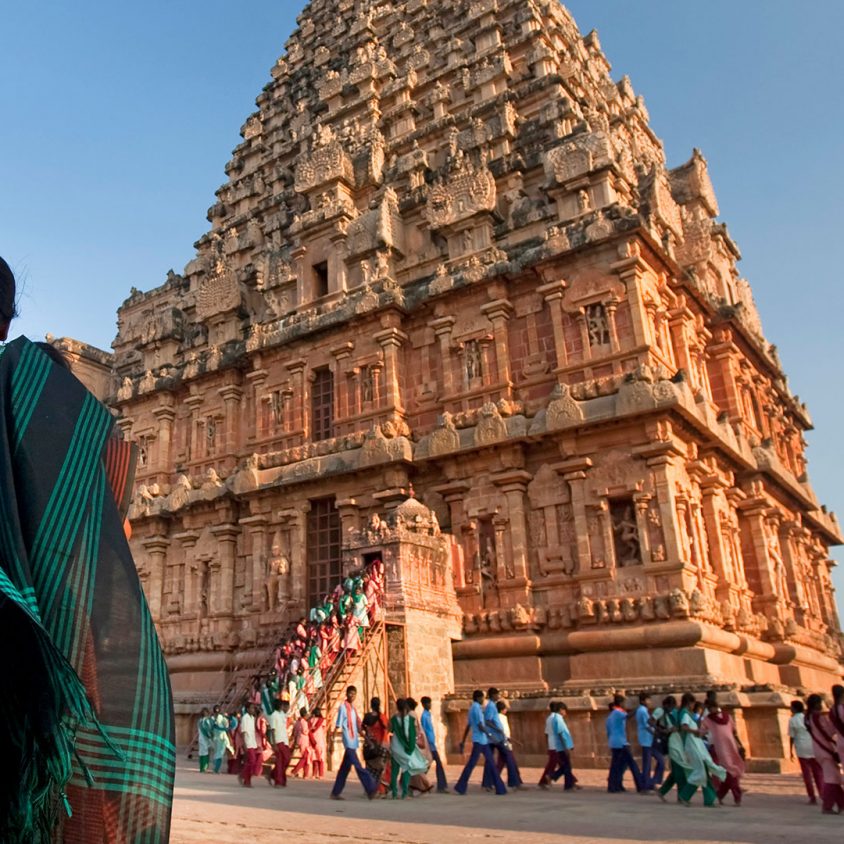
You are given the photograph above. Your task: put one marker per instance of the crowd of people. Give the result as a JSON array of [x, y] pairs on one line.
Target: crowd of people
[[687, 745], [245, 737]]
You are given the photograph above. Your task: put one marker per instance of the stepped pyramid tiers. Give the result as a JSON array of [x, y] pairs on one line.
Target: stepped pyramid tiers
[[450, 254]]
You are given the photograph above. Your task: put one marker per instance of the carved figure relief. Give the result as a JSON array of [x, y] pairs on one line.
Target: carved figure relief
[[278, 570], [597, 325], [473, 360], [210, 436], [628, 550]]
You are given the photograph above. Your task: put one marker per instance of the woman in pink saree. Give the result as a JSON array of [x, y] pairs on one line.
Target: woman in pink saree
[[824, 739], [721, 730]]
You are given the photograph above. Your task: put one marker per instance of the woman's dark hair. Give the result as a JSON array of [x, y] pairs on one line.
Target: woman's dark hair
[[814, 703], [797, 706], [838, 693], [7, 294], [687, 700], [669, 702]]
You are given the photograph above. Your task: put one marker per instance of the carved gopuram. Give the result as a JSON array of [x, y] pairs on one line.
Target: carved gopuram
[[450, 255]]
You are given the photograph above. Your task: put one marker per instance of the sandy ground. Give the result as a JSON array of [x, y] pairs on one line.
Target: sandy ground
[[214, 809]]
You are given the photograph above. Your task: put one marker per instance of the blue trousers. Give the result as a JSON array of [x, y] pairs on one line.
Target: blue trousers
[[479, 750], [350, 760], [442, 782], [565, 771], [651, 755], [514, 778], [622, 760]]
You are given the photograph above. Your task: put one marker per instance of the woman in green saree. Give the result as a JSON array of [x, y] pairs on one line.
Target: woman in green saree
[[407, 758]]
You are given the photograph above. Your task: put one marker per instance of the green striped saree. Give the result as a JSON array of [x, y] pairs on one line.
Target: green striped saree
[[86, 718]]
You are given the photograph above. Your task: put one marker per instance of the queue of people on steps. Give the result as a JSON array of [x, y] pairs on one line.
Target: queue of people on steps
[[333, 630]]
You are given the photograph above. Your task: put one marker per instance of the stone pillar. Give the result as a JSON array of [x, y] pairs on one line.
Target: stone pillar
[[296, 369], [391, 341], [254, 586], [454, 494], [165, 416], [231, 396], [641, 502], [257, 378], [194, 403], [156, 548], [349, 517], [499, 314], [755, 511], [514, 486], [605, 519], [443, 328], [553, 294], [188, 540], [631, 271], [580, 319], [574, 473], [611, 307], [662, 466], [342, 400], [222, 590], [296, 522], [337, 267]]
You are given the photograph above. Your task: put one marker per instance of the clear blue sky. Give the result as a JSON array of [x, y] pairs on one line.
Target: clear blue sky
[[118, 118]]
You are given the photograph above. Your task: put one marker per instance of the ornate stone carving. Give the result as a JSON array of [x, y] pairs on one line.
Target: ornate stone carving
[[577, 157], [468, 190], [218, 292]]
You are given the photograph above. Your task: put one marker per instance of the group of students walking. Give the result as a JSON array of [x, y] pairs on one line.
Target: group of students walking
[[687, 745], [398, 752], [701, 744], [248, 739]]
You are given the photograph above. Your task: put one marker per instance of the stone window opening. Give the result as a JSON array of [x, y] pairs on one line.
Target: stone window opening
[[322, 404], [625, 531], [320, 279], [598, 325], [325, 564]]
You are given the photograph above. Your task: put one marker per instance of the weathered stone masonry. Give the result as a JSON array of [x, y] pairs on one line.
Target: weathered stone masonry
[[450, 254]]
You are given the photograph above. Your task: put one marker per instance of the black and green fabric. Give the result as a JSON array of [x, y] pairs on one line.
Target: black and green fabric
[[87, 744]]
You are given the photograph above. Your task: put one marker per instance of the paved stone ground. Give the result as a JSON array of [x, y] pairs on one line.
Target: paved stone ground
[[216, 809]]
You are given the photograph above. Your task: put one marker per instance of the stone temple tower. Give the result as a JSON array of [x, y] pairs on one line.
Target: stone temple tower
[[450, 253]]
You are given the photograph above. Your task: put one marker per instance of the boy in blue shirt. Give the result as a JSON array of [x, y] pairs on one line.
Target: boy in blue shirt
[[428, 728], [622, 758], [480, 747], [650, 753], [349, 723], [498, 741]]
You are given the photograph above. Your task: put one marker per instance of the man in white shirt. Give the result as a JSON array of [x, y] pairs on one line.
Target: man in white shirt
[[279, 737], [800, 741], [250, 745]]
